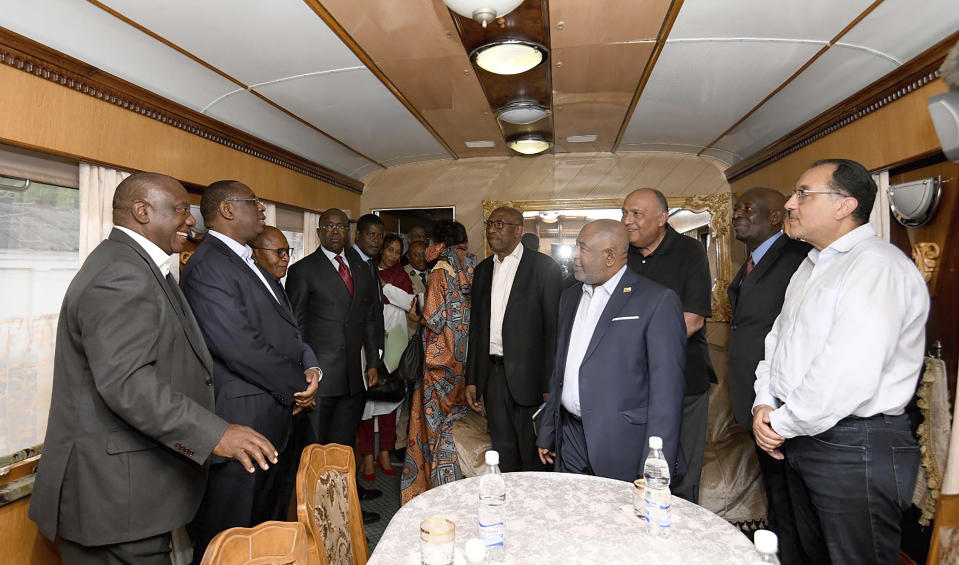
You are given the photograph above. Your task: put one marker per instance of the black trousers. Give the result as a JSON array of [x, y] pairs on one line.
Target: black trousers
[[781, 516], [849, 487], [336, 418], [692, 440], [510, 425], [154, 550]]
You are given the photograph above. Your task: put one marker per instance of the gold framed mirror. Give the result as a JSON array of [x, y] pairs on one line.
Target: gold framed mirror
[[718, 244]]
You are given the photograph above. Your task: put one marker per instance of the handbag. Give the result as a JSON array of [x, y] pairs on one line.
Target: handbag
[[413, 361], [389, 388]]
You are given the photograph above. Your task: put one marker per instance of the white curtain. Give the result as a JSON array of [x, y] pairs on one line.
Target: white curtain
[[270, 213], [311, 221], [879, 217], [97, 185]]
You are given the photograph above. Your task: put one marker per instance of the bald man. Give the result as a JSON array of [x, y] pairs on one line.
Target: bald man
[[131, 427], [272, 251], [620, 356]]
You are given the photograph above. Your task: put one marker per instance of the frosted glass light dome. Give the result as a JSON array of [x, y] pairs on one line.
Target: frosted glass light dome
[[483, 11], [508, 56], [529, 144], [522, 112]]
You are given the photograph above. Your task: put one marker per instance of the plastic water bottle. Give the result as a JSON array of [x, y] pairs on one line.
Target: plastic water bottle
[[658, 500], [475, 551], [767, 545], [492, 507]]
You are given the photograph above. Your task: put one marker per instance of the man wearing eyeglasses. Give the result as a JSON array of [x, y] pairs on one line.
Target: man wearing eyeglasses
[[263, 371], [842, 361], [512, 341], [272, 251]]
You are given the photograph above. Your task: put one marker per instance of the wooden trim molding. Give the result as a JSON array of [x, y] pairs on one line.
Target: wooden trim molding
[[26, 55], [912, 75]]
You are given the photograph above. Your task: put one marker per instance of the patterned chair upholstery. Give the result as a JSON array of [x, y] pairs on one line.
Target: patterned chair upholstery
[[472, 442], [328, 507], [269, 543]]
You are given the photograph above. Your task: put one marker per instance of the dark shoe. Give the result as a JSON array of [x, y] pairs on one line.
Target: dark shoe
[[370, 517], [368, 493], [398, 456]]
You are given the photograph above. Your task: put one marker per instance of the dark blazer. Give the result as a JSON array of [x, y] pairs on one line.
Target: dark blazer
[[334, 323], [258, 354], [756, 303], [131, 424], [529, 327], [631, 381]]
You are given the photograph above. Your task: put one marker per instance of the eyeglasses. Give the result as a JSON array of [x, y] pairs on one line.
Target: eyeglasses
[[801, 193], [280, 251], [257, 202], [498, 224], [331, 227]]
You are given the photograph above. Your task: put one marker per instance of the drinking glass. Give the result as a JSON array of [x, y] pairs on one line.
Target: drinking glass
[[437, 541], [639, 500]]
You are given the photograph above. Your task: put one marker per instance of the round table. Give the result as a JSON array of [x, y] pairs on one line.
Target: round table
[[566, 518]]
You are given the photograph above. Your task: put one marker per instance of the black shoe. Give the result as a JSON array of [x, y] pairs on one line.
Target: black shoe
[[370, 517], [398, 456], [368, 493]]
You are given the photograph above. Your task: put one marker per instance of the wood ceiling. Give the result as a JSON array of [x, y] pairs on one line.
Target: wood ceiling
[[359, 85]]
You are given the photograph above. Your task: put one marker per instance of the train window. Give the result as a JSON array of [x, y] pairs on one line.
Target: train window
[[39, 255]]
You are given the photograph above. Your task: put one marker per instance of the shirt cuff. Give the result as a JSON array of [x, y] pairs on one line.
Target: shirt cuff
[[765, 398], [783, 424]]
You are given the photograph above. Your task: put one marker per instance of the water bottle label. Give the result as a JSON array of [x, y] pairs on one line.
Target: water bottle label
[[492, 534]]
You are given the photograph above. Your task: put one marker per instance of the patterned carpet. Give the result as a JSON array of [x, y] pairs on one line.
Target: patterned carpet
[[385, 506]]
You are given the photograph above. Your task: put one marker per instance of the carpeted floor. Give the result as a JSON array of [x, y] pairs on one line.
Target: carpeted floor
[[385, 506]]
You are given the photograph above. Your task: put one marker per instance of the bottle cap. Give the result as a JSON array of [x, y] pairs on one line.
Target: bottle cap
[[655, 442], [492, 457], [474, 550], [766, 541]]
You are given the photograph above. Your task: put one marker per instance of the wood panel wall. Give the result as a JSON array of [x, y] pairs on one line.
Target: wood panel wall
[[37, 114], [467, 182]]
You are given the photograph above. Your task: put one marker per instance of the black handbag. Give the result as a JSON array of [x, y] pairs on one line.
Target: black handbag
[[389, 388], [413, 361]]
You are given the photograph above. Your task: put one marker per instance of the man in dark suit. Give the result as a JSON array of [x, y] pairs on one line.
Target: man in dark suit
[[131, 425], [757, 295], [618, 377], [262, 370], [272, 251], [336, 306], [509, 364]]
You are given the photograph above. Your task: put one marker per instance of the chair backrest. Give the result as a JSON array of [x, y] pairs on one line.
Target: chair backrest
[[273, 543], [328, 506]]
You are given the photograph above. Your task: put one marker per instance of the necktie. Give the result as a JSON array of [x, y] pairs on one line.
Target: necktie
[[749, 267], [345, 275], [376, 278], [423, 278]]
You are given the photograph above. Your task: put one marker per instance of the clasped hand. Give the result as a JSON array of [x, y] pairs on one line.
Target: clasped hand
[[766, 437]]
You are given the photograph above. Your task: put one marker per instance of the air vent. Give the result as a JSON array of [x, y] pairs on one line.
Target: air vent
[[479, 144], [580, 138]]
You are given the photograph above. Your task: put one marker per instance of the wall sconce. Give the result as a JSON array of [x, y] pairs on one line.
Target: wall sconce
[[913, 203]]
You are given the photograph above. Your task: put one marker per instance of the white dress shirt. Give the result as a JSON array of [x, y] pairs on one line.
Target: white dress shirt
[[591, 306], [159, 256], [245, 252], [332, 257], [850, 338], [503, 274]]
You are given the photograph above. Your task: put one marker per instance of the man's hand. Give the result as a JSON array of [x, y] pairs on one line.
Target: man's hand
[[766, 438], [245, 445], [307, 398], [545, 455], [471, 399], [372, 376]]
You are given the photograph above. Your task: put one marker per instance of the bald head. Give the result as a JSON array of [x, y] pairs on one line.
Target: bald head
[[645, 211], [272, 251], [156, 207], [600, 251], [758, 214]]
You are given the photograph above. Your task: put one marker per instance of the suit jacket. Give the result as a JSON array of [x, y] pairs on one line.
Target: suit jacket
[[756, 303], [131, 422], [334, 323], [631, 381], [258, 354], [529, 327]]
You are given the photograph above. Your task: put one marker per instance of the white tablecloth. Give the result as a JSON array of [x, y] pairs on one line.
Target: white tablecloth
[[564, 518]]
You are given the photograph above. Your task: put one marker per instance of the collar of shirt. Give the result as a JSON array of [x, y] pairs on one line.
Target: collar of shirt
[[159, 257], [609, 286], [845, 243], [758, 253], [366, 258], [665, 244], [516, 254], [243, 250], [332, 257]]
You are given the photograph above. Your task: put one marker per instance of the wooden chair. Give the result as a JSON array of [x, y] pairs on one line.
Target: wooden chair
[[328, 506], [273, 543]]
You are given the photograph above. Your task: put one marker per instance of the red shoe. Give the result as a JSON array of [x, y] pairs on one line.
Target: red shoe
[[388, 471], [369, 478]]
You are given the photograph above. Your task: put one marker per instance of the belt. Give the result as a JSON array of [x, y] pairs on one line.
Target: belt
[[572, 416], [496, 359]]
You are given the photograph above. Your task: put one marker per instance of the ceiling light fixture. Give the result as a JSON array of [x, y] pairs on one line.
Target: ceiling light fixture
[[522, 112], [480, 144], [529, 144], [482, 11], [506, 56]]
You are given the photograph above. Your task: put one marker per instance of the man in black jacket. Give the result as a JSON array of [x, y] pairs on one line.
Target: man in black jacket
[[512, 341], [756, 295]]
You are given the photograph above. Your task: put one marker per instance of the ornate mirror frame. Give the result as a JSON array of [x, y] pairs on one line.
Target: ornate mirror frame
[[718, 206]]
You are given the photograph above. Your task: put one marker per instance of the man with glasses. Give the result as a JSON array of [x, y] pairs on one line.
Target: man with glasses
[[263, 371], [512, 341], [842, 362], [272, 251]]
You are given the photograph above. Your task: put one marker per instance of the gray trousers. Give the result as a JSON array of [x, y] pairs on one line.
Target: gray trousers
[[692, 438], [149, 551]]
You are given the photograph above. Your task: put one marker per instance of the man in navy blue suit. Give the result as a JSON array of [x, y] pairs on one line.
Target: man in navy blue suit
[[263, 372], [620, 357]]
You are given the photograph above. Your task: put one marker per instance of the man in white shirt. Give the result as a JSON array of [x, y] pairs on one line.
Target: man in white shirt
[[842, 361]]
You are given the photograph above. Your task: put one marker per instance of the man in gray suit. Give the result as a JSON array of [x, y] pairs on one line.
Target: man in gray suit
[[131, 423]]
